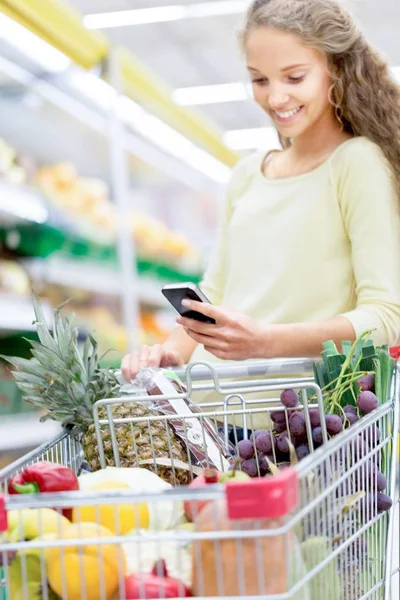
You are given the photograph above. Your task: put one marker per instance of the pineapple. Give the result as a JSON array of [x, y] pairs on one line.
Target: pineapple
[[65, 383]]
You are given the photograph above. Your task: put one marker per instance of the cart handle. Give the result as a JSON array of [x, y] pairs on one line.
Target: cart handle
[[257, 368]]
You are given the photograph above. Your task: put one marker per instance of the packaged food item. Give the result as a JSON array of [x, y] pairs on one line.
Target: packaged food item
[[208, 447]]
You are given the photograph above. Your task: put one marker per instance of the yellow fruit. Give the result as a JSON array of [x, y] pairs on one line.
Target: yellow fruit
[[29, 523], [89, 571], [118, 518], [189, 527], [39, 552]]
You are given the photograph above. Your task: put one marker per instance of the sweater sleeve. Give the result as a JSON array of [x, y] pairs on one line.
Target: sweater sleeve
[[370, 211], [213, 281]]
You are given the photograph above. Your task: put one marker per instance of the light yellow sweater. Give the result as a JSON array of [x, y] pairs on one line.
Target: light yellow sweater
[[312, 247]]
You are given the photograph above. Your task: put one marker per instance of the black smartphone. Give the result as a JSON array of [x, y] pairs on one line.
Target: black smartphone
[[177, 292]]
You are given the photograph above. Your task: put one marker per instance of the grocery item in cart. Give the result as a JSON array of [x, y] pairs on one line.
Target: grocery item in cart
[[208, 448], [337, 546], [66, 383], [44, 476], [162, 515], [88, 571], [156, 584], [25, 578], [30, 523], [119, 519], [242, 565]]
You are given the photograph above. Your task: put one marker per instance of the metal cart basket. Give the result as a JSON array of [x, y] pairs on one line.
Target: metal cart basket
[[314, 531]]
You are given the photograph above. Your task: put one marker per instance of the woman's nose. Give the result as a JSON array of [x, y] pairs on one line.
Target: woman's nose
[[277, 98]]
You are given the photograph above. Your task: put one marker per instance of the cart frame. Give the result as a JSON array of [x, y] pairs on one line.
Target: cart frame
[[316, 496]]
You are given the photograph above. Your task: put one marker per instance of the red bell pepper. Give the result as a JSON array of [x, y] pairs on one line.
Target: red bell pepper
[[157, 584], [45, 477], [395, 352]]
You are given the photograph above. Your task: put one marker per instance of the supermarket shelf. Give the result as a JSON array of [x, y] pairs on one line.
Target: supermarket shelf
[[25, 431], [91, 277], [62, 27], [21, 203], [16, 314], [76, 117]]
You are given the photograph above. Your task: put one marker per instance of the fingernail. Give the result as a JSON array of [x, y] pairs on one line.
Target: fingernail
[[186, 303]]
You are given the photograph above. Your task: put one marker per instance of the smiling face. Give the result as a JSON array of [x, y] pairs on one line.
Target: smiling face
[[290, 81]]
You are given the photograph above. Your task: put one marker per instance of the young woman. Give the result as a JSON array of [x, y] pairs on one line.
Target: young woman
[[309, 246]]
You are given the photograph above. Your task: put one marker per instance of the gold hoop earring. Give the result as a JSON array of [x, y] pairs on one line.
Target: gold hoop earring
[[338, 110], [338, 115]]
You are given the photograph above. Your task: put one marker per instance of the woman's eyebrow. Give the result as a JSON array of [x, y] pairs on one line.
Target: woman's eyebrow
[[289, 68], [294, 67]]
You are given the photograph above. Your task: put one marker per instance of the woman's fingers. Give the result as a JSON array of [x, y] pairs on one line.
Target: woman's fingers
[[132, 363], [209, 310], [218, 353], [129, 366], [171, 358], [144, 354], [197, 326], [205, 340], [155, 355], [149, 356]]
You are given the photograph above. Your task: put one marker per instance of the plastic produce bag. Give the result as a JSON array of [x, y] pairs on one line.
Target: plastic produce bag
[[208, 447]]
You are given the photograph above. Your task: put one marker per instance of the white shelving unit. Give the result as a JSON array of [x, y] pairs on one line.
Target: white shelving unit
[[24, 431], [94, 123], [115, 146], [18, 203], [16, 314], [91, 277]]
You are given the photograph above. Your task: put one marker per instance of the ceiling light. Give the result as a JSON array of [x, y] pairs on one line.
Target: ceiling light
[[173, 142], [43, 54], [396, 73], [105, 96], [216, 8], [162, 14], [258, 138], [212, 94]]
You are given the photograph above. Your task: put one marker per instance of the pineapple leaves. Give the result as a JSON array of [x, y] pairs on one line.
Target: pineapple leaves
[[21, 377], [23, 364], [61, 379], [42, 328], [86, 350]]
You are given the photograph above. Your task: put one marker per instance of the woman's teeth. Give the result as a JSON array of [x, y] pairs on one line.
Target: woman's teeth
[[287, 114]]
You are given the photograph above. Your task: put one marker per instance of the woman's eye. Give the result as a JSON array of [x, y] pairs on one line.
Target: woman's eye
[[296, 79], [260, 81]]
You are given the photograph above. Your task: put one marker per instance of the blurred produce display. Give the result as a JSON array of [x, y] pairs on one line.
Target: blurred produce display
[[67, 252], [13, 278], [88, 202], [10, 170]]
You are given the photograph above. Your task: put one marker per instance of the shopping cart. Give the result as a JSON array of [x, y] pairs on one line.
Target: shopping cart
[[311, 532]]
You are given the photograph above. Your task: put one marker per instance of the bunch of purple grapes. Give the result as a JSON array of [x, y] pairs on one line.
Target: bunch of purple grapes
[[290, 432], [274, 446], [253, 453], [375, 500]]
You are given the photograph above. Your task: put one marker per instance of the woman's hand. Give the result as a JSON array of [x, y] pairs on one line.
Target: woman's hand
[[149, 356], [234, 336]]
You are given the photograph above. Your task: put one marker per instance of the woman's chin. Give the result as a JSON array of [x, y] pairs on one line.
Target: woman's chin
[[293, 131]]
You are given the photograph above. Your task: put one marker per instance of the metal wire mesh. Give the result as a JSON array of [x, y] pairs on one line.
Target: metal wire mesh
[[338, 543], [64, 449]]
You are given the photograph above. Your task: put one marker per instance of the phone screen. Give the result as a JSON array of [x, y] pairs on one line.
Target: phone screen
[[175, 297]]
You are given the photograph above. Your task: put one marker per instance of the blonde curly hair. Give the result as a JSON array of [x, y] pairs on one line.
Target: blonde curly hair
[[364, 94]]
